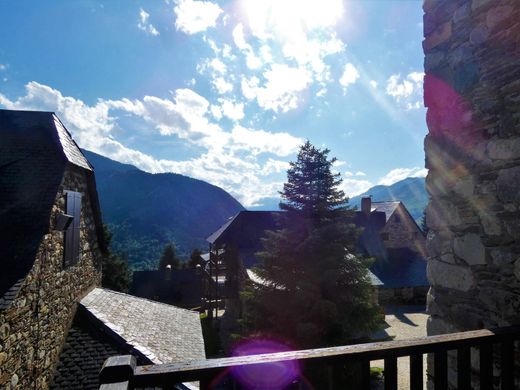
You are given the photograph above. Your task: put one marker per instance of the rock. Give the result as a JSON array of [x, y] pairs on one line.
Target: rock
[[479, 35], [504, 149], [508, 185], [440, 35], [475, 4], [435, 326], [470, 249], [462, 13], [454, 277], [516, 269], [497, 15], [14, 380]]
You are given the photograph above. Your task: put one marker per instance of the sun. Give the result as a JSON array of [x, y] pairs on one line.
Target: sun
[[290, 19]]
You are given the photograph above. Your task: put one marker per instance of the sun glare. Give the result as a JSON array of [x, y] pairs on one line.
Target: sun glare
[[290, 19]]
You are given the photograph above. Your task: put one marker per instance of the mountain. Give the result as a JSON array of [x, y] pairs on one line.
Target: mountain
[[146, 211], [411, 191]]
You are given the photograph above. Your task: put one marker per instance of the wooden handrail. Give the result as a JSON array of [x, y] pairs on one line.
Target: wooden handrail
[[156, 375]]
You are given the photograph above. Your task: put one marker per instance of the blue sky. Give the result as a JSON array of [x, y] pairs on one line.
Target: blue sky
[[226, 91]]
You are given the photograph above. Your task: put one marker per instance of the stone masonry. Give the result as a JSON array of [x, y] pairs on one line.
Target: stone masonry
[[472, 95], [34, 326]]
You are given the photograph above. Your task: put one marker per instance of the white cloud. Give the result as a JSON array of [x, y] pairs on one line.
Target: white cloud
[[399, 174], [3, 67], [144, 24], [373, 83], [229, 160], [406, 91], [221, 85], [281, 91], [252, 60], [354, 187], [350, 75], [234, 111], [194, 16], [260, 141]]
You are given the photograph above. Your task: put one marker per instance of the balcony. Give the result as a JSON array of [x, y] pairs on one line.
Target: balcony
[[495, 350]]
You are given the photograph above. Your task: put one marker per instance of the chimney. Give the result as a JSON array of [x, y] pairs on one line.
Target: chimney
[[366, 205]]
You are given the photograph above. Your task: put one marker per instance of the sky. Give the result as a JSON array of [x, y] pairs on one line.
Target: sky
[[226, 91]]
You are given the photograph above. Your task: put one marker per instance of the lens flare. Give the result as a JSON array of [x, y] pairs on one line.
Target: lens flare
[[270, 376]]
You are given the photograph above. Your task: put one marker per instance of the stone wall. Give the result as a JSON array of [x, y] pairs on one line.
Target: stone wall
[[472, 95], [34, 326]]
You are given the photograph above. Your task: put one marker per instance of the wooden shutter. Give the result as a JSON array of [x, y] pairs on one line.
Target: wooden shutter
[[73, 206]]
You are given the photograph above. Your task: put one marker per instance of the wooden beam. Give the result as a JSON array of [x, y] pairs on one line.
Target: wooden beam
[[507, 365], [464, 368], [390, 373], [194, 370], [416, 372]]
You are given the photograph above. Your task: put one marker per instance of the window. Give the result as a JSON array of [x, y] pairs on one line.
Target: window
[[397, 219], [71, 247], [385, 236]]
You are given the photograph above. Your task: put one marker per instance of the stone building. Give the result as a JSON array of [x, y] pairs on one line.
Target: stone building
[[56, 327], [51, 241], [472, 95], [391, 236]]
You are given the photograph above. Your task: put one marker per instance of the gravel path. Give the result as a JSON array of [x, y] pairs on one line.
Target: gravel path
[[405, 322]]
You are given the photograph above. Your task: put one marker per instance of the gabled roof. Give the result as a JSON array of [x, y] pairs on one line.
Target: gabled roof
[[35, 150], [162, 333], [387, 207], [246, 228]]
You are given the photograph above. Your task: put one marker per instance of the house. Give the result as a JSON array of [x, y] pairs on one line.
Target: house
[[54, 320], [392, 237], [51, 237]]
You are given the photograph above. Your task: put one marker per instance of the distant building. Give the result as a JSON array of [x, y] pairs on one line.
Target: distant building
[[394, 239]]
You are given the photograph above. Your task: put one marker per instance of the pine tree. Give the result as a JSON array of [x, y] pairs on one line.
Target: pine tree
[[169, 257], [195, 259], [316, 291], [116, 273]]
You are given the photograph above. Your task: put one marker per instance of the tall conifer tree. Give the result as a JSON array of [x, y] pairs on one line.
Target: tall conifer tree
[[316, 291]]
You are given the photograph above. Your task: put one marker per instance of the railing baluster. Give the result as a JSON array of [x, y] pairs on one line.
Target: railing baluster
[[416, 372], [464, 368], [486, 366], [440, 370], [390, 373], [365, 374], [507, 364]]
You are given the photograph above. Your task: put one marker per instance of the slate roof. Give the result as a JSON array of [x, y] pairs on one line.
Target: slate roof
[[246, 228], [183, 288], [87, 346], [387, 207], [162, 333], [402, 268], [35, 150]]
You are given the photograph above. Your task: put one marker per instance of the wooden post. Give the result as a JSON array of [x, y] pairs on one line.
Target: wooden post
[[117, 372]]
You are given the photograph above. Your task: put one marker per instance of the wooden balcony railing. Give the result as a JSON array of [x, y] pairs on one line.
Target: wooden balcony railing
[[496, 348]]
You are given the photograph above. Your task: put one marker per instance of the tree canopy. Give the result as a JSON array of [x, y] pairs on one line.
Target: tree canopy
[[116, 273], [169, 257], [316, 291]]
